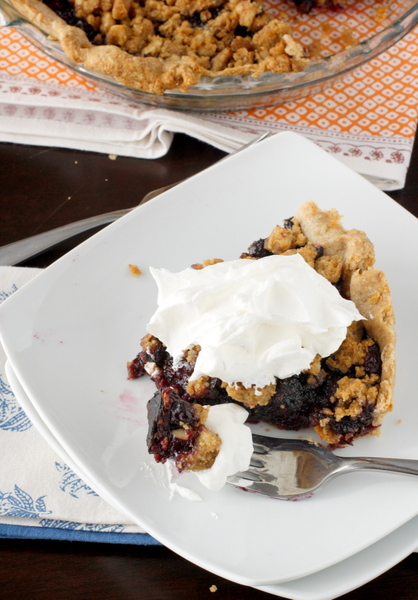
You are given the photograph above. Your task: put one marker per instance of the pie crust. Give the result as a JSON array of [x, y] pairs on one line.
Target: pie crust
[[365, 286]]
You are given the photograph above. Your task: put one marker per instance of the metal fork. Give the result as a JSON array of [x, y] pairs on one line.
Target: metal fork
[[291, 469], [16, 252]]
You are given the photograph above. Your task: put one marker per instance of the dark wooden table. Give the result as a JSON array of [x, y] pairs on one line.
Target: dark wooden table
[[45, 188]]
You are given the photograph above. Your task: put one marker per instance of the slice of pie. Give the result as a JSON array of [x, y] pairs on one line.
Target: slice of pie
[[342, 395]]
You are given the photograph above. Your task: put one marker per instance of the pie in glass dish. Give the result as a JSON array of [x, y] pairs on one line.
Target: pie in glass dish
[[342, 394], [158, 45]]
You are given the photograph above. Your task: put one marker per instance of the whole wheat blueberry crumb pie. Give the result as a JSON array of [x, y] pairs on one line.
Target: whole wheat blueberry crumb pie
[[298, 332], [157, 45]]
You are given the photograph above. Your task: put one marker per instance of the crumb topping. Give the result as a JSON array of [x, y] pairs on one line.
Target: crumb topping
[[308, 252], [315, 371], [191, 354], [352, 351], [206, 263], [282, 239], [155, 45], [150, 344], [330, 267], [204, 452], [252, 396], [135, 270], [205, 448], [199, 387], [352, 394]]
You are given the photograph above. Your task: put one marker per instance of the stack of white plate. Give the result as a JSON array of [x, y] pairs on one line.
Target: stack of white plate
[[70, 331]]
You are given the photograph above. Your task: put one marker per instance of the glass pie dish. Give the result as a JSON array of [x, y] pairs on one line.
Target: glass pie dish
[[337, 42]]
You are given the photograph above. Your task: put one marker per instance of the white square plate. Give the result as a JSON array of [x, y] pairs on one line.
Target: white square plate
[[332, 582], [69, 333]]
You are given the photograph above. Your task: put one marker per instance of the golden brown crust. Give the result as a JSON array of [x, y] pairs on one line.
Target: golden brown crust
[[250, 397], [151, 45], [365, 286], [370, 292], [204, 453], [324, 228]]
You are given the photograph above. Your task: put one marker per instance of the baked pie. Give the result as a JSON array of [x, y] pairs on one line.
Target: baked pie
[[342, 395], [158, 45]]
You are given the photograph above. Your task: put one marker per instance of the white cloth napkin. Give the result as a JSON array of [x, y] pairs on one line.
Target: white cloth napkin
[[50, 115], [37, 488], [46, 114]]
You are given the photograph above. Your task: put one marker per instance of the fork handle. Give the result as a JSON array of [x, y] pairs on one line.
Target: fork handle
[[394, 465], [16, 252]]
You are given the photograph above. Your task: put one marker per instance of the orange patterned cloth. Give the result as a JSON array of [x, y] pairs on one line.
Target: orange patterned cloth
[[20, 58], [368, 119], [380, 98]]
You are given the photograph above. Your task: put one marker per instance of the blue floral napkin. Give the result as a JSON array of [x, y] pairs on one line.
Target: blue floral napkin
[[40, 496]]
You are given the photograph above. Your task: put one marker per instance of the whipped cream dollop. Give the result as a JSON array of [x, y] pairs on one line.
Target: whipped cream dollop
[[253, 319]]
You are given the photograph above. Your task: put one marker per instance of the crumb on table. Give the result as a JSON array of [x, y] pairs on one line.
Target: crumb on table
[[135, 271]]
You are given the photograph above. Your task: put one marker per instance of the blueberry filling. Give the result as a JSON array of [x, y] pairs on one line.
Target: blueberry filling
[[65, 10], [174, 425], [297, 404], [257, 250]]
